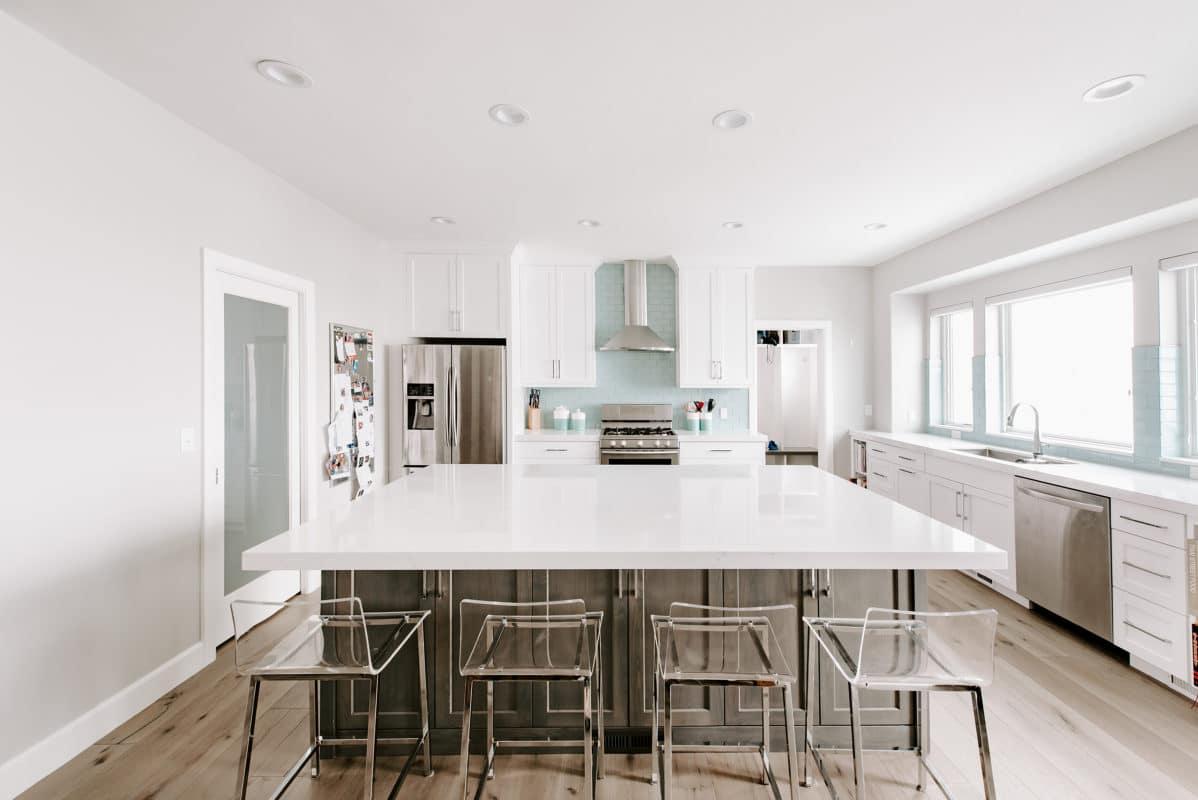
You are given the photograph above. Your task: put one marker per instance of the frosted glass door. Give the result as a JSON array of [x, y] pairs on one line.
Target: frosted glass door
[[257, 448]]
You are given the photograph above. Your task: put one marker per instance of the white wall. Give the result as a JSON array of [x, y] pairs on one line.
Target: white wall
[[841, 295], [1147, 190], [106, 202]]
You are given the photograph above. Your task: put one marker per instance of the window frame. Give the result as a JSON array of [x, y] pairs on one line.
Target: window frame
[[940, 344], [1188, 344], [1002, 305]]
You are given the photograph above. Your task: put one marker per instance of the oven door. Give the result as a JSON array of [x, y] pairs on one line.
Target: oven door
[[638, 456]]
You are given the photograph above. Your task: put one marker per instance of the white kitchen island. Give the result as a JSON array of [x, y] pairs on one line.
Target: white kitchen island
[[629, 540], [539, 516]]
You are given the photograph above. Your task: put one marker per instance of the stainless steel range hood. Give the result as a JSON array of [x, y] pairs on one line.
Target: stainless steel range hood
[[636, 333]]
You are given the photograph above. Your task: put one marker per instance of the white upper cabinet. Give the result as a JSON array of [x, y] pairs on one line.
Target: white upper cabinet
[[457, 295], [715, 327], [557, 326]]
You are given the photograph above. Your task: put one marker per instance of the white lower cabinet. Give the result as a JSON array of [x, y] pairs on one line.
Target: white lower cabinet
[[717, 452], [913, 490], [1148, 569], [986, 515], [556, 453], [1151, 633], [883, 479]]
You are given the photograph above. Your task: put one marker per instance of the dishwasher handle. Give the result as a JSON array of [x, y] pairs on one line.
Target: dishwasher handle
[[1078, 505]]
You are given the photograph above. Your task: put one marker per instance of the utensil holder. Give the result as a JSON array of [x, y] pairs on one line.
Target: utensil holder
[[534, 419], [692, 421], [705, 420]]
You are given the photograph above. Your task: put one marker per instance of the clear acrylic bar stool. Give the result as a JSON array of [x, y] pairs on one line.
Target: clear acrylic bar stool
[[324, 640], [905, 651], [555, 640], [716, 646]]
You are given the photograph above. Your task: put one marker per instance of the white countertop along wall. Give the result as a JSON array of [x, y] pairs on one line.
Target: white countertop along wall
[[1163, 491], [563, 516]]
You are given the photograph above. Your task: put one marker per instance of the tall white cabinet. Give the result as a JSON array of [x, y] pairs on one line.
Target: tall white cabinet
[[715, 327], [458, 295], [557, 326]]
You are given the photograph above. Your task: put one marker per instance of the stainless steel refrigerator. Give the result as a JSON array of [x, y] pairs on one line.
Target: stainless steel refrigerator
[[453, 404]]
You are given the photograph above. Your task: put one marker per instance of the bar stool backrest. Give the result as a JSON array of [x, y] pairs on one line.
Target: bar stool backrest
[[309, 633], [755, 640], [551, 634], [949, 647]]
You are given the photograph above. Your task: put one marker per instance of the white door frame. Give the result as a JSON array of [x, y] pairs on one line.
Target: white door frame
[[221, 273], [824, 368]]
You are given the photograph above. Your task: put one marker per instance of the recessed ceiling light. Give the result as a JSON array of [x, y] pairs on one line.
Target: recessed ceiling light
[[1115, 87], [284, 74], [443, 220], [731, 225], [875, 226], [732, 119], [589, 223], [508, 114]]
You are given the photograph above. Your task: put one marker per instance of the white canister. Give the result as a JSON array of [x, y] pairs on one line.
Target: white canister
[[578, 420], [561, 418]]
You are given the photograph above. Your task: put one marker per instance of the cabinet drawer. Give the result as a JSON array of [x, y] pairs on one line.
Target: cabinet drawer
[[911, 459], [1149, 569], [1152, 633], [1151, 523], [721, 452], [556, 452], [883, 478], [991, 480]]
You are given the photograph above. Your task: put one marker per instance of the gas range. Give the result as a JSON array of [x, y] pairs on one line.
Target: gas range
[[638, 434]]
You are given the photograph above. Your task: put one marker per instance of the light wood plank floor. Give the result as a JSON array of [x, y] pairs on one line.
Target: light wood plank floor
[[1066, 721]]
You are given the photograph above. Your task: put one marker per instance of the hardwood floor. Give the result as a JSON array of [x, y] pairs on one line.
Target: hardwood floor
[[1067, 720]]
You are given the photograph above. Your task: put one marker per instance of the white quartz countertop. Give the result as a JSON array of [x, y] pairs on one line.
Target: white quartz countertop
[[1134, 485], [538, 516], [551, 435], [718, 435]]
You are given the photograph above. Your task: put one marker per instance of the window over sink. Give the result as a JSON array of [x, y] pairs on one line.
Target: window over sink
[[950, 367], [1066, 349]]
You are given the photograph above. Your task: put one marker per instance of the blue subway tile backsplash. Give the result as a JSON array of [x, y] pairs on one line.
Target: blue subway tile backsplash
[[641, 377]]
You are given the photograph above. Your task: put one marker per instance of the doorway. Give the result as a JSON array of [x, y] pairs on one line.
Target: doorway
[[793, 397], [256, 354]]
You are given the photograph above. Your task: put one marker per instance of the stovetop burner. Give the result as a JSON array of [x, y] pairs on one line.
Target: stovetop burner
[[646, 431]]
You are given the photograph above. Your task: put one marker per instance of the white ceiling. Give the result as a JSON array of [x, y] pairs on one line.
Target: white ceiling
[[925, 115]]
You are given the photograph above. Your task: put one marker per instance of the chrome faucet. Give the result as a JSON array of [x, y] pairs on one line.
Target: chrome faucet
[[1037, 448]]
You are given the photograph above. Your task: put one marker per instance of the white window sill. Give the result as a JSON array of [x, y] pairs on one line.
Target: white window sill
[[951, 428], [1025, 440], [1185, 461]]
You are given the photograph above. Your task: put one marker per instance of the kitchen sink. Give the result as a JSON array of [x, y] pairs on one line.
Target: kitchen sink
[[1014, 456]]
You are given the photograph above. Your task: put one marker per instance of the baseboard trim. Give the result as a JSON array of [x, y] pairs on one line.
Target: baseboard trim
[[39, 760]]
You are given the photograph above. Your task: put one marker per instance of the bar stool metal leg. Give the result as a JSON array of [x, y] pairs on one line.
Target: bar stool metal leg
[[588, 776], [667, 759], [314, 725], [372, 735], [466, 713], [765, 736], [654, 746], [921, 744], [792, 756], [424, 729], [855, 725], [490, 749], [979, 720], [809, 674], [247, 743], [601, 713]]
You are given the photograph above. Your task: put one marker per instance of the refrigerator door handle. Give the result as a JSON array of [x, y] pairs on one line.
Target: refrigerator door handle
[[451, 408]]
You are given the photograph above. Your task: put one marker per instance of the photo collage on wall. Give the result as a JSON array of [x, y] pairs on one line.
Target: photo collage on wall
[[351, 434]]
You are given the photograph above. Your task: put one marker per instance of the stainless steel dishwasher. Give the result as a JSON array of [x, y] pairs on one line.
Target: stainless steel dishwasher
[[1063, 553]]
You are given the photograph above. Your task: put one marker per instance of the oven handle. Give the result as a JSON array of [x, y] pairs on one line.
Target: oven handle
[[631, 452]]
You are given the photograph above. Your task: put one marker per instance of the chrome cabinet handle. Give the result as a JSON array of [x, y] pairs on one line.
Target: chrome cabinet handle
[[876, 450], [909, 472], [424, 583], [555, 450], [965, 503], [827, 590], [619, 583], [1149, 571], [906, 458], [1135, 627], [1142, 522], [720, 450], [813, 589], [635, 591], [957, 505], [880, 475]]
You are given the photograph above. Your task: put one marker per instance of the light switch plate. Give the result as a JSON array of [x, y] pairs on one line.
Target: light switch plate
[[723, 413], [869, 410], [187, 440]]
